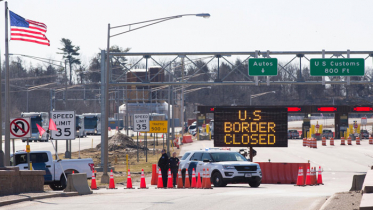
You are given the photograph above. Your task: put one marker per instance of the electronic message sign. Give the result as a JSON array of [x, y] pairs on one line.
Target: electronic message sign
[[250, 127]]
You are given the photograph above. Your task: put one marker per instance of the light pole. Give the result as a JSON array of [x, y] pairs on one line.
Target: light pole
[[105, 177], [260, 94]]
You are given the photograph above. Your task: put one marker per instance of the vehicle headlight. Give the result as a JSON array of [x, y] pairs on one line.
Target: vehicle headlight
[[228, 167]]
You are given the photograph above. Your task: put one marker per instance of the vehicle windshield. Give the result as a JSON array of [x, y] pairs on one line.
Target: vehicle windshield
[[364, 131], [34, 120], [90, 122], [227, 156], [192, 127]]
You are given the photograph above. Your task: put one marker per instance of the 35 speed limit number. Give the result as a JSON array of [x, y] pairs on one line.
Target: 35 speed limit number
[[65, 123]]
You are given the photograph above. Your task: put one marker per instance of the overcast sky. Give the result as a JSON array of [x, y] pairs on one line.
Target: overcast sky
[[240, 25]]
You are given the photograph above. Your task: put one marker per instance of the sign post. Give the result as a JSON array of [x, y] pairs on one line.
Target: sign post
[[65, 123]]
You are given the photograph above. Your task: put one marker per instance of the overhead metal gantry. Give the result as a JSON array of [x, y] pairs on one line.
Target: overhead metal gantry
[[216, 58], [185, 60]]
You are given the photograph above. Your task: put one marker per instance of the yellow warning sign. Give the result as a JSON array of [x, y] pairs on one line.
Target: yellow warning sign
[[28, 148], [158, 126]]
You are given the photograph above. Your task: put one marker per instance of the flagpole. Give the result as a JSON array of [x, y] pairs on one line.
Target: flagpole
[[7, 115]]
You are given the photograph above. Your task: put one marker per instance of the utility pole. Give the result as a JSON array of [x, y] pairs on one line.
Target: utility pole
[[169, 116], [182, 99], [1, 130], [7, 99]]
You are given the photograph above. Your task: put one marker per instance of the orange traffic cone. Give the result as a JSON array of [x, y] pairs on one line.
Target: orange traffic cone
[[129, 180], [208, 181], [142, 181], [93, 182], [349, 140], [308, 177], [199, 183], [194, 179], [180, 180], [313, 176], [154, 175], [203, 178], [300, 180], [160, 181], [319, 177], [111, 181], [187, 182], [169, 180], [370, 140]]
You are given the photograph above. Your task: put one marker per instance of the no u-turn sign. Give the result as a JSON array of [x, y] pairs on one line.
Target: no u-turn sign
[[20, 128]]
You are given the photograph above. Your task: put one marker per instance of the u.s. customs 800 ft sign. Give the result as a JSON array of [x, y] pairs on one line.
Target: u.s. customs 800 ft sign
[[250, 127]]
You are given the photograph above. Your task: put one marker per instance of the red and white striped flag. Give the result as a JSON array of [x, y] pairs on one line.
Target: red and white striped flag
[[22, 29]]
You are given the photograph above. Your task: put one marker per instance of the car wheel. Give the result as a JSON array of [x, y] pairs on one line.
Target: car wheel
[[35, 140], [63, 181], [23, 140], [217, 180], [56, 186], [254, 183]]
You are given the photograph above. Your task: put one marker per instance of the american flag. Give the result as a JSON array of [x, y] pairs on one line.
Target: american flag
[[22, 29]]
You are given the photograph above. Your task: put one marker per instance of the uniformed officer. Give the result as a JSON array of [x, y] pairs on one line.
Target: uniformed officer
[[163, 165], [174, 165]]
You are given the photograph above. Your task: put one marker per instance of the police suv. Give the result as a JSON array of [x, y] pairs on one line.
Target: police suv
[[225, 167]]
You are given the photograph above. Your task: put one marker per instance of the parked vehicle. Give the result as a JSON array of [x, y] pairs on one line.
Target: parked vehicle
[[225, 167], [327, 134], [54, 177], [41, 118], [92, 123], [79, 123], [192, 129], [364, 134], [293, 134]]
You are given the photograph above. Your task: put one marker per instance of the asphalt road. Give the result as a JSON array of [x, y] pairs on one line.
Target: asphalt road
[[340, 163]]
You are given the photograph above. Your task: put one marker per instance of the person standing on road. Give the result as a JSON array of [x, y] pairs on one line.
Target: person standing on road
[[174, 165], [163, 165]]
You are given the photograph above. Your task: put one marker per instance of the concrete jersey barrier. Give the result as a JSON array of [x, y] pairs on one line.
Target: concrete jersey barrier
[[357, 182], [78, 183], [368, 182]]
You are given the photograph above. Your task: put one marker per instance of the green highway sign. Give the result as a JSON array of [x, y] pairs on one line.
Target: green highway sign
[[337, 67], [262, 66]]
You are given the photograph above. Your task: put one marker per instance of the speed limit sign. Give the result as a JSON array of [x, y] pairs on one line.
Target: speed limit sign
[[65, 123], [141, 123]]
